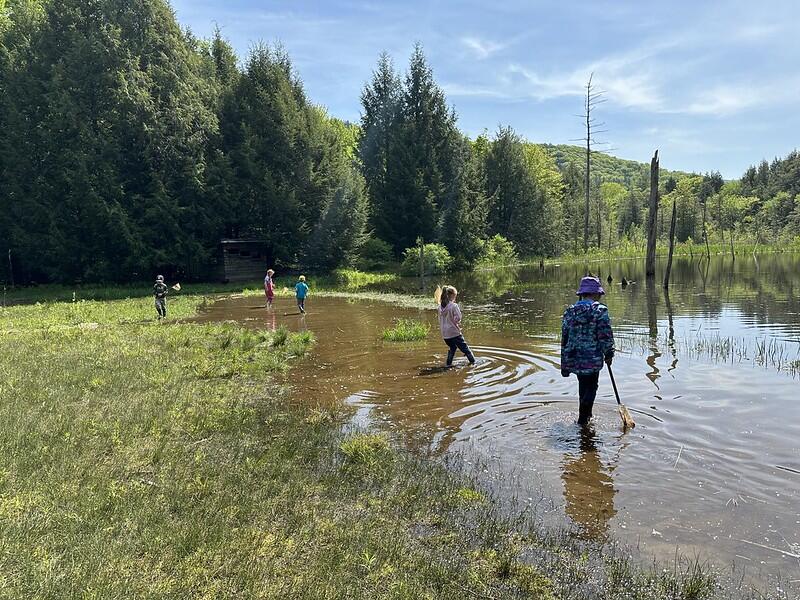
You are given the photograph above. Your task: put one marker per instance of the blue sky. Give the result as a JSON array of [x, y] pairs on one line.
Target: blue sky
[[713, 85]]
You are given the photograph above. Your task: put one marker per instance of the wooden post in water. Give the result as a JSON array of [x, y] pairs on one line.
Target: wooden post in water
[[421, 244], [671, 246], [650, 265]]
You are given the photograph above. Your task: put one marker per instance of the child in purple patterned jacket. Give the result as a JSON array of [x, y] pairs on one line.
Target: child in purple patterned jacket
[[586, 342]]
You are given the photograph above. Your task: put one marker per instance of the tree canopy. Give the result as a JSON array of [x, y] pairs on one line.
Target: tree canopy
[[129, 146]]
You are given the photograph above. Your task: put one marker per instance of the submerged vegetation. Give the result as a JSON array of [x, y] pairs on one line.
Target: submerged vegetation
[[406, 330]]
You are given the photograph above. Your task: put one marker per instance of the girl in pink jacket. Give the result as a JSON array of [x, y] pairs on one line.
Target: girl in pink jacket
[[450, 324], [269, 287]]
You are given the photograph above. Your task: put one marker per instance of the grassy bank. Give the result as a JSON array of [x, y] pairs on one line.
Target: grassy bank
[[340, 281]]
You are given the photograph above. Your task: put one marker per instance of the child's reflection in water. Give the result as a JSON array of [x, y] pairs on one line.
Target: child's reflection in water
[[589, 488]]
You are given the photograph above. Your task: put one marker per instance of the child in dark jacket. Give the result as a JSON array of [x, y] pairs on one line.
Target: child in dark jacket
[[160, 291], [586, 342]]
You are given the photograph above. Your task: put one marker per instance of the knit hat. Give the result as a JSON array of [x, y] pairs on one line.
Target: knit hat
[[590, 285]]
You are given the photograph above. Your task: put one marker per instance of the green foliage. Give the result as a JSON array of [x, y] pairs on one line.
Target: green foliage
[[340, 228], [409, 150], [373, 254], [406, 330], [436, 260], [498, 251], [607, 168], [526, 195], [463, 219]]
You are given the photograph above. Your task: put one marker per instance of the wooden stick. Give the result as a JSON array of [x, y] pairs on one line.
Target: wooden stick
[[791, 554], [679, 457]]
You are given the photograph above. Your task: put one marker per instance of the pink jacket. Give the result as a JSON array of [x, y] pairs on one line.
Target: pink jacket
[[450, 320]]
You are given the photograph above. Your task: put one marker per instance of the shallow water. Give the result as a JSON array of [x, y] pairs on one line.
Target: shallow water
[[708, 372]]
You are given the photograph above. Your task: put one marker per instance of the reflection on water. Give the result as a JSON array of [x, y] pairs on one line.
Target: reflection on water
[[713, 463], [588, 486]]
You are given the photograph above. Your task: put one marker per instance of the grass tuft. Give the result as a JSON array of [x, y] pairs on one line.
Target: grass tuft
[[366, 448], [406, 330]]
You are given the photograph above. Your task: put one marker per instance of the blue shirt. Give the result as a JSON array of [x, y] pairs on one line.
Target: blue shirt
[[301, 289]]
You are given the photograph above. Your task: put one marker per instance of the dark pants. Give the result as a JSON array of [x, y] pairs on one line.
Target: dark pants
[[301, 304], [458, 343], [161, 307], [587, 390]]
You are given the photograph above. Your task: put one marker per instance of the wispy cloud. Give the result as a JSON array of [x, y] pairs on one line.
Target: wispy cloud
[[481, 48], [724, 100]]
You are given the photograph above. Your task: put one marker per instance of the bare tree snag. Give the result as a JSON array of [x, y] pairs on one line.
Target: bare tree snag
[[650, 266], [593, 98], [671, 246]]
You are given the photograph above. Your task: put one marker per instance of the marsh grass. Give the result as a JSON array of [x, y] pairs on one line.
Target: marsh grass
[[352, 279], [766, 352], [406, 330]]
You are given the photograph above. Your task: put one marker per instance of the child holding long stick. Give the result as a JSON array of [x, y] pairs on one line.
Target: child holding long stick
[[586, 342]]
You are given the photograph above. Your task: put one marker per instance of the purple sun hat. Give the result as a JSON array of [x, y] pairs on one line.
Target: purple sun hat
[[590, 285]]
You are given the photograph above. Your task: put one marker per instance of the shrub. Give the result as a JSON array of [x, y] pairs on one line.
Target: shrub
[[374, 254], [497, 250], [406, 330], [437, 260]]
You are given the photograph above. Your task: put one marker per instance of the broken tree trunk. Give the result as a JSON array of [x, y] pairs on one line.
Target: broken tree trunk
[[671, 246], [650, 266]]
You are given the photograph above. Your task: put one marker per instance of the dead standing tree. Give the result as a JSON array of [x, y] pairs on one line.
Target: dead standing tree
[[669, 256], [593, 98], [652, 219]]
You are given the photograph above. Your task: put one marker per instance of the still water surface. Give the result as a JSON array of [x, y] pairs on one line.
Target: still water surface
[[709, 372]]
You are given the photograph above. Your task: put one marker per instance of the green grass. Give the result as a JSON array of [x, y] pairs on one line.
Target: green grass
[[406, 330], [351, 279], [339, 281]]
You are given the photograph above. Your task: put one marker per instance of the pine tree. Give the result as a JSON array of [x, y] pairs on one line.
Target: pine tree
[[340, 229], [380, 101], [463, 221]]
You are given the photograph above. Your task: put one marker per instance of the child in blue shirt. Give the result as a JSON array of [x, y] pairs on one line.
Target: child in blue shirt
[[301, 291]]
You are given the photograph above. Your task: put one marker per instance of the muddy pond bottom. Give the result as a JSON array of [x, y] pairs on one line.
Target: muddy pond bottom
[[712, 468]]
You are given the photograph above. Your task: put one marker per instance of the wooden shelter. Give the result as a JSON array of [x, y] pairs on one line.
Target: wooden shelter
[[243, 260]]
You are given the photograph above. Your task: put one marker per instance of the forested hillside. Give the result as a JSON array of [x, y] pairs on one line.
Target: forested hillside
[[607, 167], [129, 146]]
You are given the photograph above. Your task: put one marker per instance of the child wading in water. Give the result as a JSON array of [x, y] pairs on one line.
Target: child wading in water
[[160, 291], [301, 291], [586, 341], [450, 323], [269, 287]]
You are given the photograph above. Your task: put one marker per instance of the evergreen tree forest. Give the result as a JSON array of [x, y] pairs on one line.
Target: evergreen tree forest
[[128, 146]]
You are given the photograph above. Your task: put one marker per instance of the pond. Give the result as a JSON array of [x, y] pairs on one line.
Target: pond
[[710, 372]]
